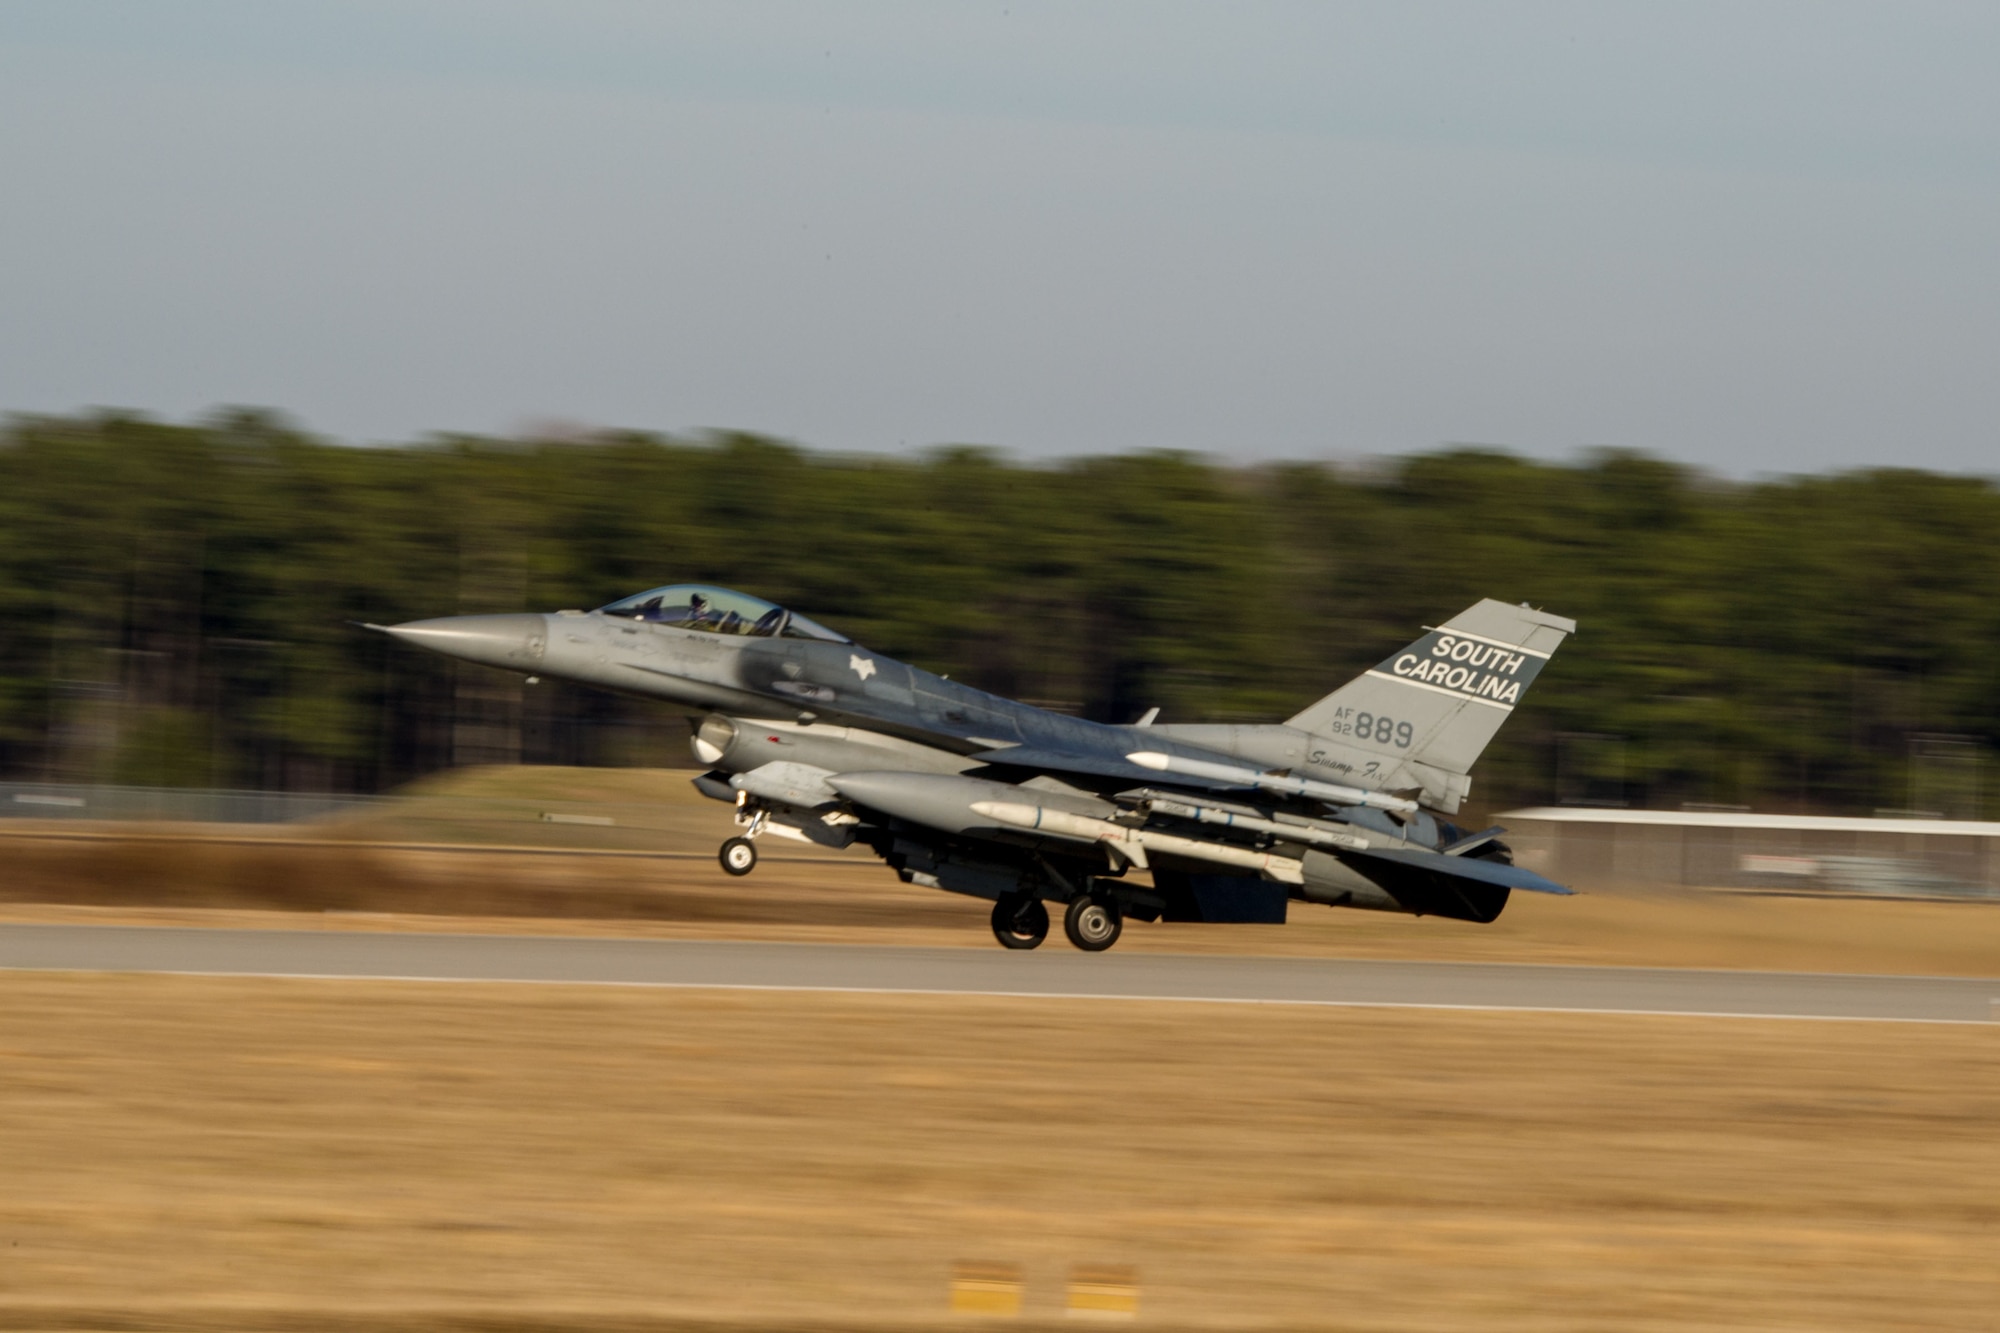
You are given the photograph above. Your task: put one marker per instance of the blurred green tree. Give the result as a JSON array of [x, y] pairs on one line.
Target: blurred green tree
[[175, 599]]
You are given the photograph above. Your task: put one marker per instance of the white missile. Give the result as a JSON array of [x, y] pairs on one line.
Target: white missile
[[1134, 843], [1313, 837], [1250, 777]]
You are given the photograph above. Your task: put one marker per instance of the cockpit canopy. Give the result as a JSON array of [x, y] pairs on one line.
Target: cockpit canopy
[[718, 611]]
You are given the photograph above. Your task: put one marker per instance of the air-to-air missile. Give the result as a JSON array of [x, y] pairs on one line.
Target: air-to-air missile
[[810, 736]]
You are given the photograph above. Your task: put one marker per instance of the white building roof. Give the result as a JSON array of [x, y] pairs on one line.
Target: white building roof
[[1577, 814]]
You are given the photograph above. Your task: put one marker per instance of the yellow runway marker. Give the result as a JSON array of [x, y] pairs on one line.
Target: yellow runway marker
[[986, 1289], [1103, 1292]]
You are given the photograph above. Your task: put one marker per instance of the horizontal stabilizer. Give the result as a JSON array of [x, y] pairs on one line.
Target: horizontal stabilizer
[[1496, 873]]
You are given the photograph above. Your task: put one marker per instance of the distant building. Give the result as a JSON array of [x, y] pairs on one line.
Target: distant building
[[1594, 849]]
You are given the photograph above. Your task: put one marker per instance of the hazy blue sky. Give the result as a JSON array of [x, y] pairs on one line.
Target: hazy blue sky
[[1759, 237]]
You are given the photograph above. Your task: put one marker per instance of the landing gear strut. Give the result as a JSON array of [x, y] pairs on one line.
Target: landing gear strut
[[1093, 923], [739, 855], [1020, 921]]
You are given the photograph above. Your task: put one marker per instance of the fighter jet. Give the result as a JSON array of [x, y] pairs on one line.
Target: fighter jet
[[810, 736]]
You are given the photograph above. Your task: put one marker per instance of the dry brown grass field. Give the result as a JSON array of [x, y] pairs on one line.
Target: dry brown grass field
[[291, 1155], [199, 1153]]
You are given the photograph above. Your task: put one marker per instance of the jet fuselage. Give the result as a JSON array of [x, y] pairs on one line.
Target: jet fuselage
[[814, 736]]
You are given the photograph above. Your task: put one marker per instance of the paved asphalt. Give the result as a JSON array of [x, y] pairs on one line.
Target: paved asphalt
[[1051, 971]]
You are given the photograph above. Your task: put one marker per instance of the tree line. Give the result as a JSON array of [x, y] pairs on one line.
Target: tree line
[[178, 602]]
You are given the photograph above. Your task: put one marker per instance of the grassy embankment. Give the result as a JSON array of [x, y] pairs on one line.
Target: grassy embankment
[[437, 859]]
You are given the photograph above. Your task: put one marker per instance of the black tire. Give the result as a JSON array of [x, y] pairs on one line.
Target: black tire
[[1093, 924], [738, 856], [1020, 921]]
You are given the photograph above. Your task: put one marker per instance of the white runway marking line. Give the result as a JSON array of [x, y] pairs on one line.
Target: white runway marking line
[[1008, 994]]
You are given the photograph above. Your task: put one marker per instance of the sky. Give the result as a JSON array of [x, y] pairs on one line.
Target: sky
[[1754, 237]]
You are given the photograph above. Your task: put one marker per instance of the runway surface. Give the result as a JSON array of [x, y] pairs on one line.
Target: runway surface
[[1053, 971]]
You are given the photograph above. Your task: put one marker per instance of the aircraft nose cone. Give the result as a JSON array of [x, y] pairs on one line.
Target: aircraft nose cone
[[513, 641]]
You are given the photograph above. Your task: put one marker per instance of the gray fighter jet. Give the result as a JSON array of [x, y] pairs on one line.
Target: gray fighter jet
[[811, 736]]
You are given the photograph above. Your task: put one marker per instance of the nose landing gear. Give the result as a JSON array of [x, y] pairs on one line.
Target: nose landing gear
[[738, 856]]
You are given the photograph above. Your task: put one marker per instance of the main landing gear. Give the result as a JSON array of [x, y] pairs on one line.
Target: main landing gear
[[1093, 923], [1020, 921]]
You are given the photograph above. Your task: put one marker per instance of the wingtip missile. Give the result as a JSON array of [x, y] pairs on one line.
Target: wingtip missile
[[1335, 792]]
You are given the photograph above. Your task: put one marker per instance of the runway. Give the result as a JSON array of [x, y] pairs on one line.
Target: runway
[[1053, 972]]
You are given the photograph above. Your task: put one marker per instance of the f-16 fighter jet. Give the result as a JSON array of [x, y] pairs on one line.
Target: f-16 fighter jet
[[811, 736]]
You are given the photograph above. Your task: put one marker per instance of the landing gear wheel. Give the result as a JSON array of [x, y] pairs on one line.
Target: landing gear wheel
[[738, 856], [1093, 924], [1020, 921]]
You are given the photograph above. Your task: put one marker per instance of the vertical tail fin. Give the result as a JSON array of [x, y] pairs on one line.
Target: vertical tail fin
[[1430, 709]]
